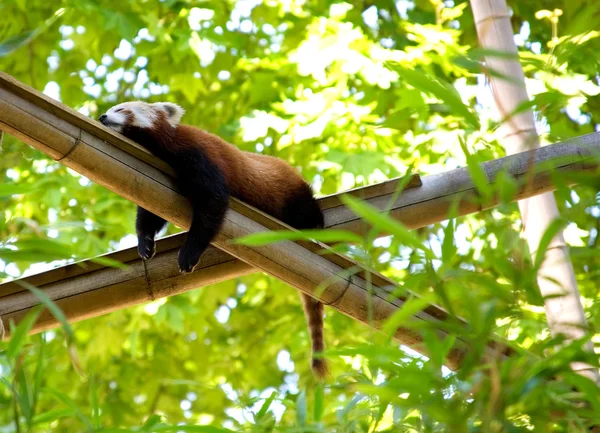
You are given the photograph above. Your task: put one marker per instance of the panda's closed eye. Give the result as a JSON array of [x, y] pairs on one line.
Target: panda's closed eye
[[118, 110]]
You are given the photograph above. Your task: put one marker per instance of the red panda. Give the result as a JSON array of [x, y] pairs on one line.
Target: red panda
[[209, 170]]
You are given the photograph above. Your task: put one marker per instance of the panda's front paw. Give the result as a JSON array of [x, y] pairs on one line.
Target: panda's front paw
[[146, 247], [189, 256]]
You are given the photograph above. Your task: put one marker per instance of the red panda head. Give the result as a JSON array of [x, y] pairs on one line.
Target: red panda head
[[138, 114]]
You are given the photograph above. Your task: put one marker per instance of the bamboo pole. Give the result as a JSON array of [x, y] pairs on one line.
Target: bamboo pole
[[70, 285], [556, 278], [85, 290], [142, 182], [577, 155], [78, 142]]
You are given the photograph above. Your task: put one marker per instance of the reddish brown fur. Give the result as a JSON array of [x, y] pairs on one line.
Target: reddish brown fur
[[313, 311], [261, 181], [265, 182]]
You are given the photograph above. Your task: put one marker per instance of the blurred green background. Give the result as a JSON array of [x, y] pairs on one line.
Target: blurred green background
[[324, 86]]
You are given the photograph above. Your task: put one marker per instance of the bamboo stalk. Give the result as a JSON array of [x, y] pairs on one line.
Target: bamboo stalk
[[326, 279], [556, 278], [46, 125], [92, 291], [573, 155]]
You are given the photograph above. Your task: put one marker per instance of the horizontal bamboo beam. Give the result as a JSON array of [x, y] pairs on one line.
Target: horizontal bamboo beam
[[87, 289], [534, 172], [215, 266], [417, 206], [121, 166]]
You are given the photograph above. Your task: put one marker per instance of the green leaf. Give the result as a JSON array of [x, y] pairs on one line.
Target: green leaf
[[45, 246], [585, 252], [448, 246], [8, 190], [52, 307], [109, 262], [67, 401], [52, 415], [507, 187], [174, 317], [342, 414], [587, 386], [266, 405], [19, 334], [113, 430], [40, 371], [319, 402], [325, 236], [15, 42], [94, 402], [409, 309], [125, 24], [397, 119], [152, 421], [36, 250], [23, 397], [441, 90], [478, 174], [190, 428], [190, 86], [482, 53], [386, 224], [478, 67], [554, 228], [301, 409]]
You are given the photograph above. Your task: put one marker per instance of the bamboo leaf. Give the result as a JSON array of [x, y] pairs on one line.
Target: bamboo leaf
[[385, 224], [266, 405], [52, 307], [109, 262], [12, 189], [190, 428], [448, 246], [325, 236], [554, 228], [19, 334], [52, 415], [441, 90], [319, 402], [478, 174], [67, 401], [405, 313], [301, 409], [15, 42]]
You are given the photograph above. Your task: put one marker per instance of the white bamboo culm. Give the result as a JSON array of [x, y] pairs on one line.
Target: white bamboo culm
[[556, 278]]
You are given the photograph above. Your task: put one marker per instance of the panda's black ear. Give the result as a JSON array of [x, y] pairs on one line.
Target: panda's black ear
[[174, 112]]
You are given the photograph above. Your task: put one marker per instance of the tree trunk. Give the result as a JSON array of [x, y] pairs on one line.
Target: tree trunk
[[556, 278]]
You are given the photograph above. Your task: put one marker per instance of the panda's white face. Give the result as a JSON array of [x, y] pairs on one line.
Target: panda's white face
[[141, 115]]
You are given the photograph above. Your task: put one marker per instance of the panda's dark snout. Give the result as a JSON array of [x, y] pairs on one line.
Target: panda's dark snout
[[102, 118]]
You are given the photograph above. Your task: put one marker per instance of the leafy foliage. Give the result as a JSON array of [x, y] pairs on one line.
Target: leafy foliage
[[351, 94]]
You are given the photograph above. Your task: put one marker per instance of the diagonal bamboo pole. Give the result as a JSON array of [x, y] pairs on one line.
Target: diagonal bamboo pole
[[87, 289], [556, 278], [76, 141], [124, 168]]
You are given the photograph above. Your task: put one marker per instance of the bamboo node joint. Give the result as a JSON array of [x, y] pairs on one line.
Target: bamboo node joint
[[491, 18], [336, 300]]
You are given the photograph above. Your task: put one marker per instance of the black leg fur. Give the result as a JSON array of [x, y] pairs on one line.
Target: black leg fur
[[200, 181], [302, 210], [147, 225], [204, 185]]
